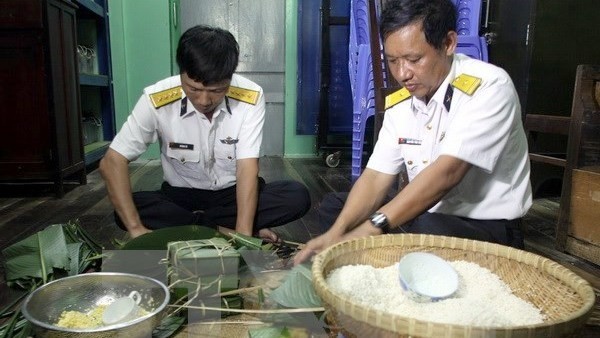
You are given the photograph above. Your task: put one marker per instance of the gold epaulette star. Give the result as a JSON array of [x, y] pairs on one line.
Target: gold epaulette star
[[466, 83], [242, 94], [164, 97]]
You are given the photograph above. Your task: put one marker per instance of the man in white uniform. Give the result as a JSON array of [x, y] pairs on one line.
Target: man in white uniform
[[209, 124], [455, 125]]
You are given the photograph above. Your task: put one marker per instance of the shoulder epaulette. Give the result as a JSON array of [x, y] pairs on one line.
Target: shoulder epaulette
[[396, 97], [164, 97], [242, 94], [466, 83]]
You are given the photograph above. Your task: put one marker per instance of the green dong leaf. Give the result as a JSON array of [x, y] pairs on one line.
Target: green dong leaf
[[297, 290], [37, 255]]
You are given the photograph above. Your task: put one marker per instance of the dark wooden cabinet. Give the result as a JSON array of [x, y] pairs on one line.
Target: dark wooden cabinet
[[40, 119], [540, 43]]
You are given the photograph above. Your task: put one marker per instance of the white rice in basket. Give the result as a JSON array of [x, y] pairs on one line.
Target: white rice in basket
[[482, 299]]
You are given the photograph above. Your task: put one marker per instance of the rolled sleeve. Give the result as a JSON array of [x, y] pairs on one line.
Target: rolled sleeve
[[387, 154], [137, 132]]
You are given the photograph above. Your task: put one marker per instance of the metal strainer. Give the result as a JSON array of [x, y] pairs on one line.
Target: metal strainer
[[44, 306]]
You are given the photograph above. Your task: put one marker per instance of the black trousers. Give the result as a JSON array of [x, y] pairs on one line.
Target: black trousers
[[501, 231], [279, 202]]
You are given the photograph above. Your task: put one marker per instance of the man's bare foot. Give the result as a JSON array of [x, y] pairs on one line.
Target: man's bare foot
[[226, 231], [268, 235], [138, 231]]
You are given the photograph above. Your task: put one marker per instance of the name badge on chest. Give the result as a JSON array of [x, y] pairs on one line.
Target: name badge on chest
[[409, 141], [185, 146]]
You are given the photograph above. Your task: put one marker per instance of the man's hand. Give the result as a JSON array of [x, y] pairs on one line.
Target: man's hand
[[316, 245], [115, 172]]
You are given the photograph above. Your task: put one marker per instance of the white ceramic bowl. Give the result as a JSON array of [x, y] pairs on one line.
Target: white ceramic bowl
[[426, 277]]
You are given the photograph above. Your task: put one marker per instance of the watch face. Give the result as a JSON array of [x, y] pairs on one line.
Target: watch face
[[379, 220]]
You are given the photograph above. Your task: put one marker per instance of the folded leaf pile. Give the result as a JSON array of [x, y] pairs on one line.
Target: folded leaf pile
[[57, 251]]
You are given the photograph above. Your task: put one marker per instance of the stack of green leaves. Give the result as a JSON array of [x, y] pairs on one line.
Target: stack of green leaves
[[59, 250]]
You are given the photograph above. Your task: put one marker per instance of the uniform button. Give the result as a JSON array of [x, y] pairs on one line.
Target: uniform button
[[182, 159], [429, 127], [425, 161], [409, 162], [229, 157]]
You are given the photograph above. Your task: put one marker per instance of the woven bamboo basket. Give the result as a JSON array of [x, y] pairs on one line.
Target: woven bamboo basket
[[564, 298]]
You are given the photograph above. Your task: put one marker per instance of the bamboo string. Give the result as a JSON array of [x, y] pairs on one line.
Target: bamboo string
[[238, 291], [244, 322], [208, 308]]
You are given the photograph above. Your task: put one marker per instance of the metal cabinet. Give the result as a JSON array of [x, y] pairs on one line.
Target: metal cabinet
[[95, 78]]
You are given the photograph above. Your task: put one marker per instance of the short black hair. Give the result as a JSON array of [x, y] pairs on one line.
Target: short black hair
[[438, 18], [207, 54]]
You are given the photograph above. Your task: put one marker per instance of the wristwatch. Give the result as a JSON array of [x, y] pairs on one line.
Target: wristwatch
[[379, 220]]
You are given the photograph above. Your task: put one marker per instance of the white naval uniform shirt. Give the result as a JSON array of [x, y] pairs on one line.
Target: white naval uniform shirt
[[484, 129], [195, 152]]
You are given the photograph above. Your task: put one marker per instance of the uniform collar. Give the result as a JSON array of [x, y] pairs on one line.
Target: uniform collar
[[187, 108], [443, 95]]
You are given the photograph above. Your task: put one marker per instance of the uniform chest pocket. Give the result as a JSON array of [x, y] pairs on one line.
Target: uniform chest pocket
[[412, 159], [225, 157], [185, 162]]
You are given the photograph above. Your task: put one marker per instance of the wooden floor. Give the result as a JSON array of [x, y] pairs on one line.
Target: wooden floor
[[26, 210]]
